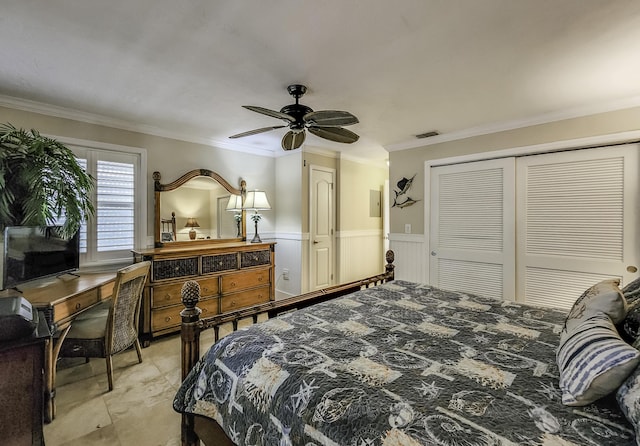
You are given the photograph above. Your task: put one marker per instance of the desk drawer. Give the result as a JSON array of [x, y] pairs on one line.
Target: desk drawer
[[106, 290], [171, 293], [244, 299], [241, 281], [75, 304], [168, 317]]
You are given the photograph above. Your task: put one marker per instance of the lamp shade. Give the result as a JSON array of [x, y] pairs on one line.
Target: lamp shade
[[191, 223], [235, 203], [256, 200]]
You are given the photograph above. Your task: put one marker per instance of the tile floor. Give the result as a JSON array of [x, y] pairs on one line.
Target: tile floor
[[138, 412]]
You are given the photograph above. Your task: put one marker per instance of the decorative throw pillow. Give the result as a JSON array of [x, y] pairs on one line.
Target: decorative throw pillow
[[629, 328], [593, 360], [602, 298], [631, 291], [628, 396]]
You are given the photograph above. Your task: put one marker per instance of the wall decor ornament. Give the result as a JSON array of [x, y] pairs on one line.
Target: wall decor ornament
[[402, 200]]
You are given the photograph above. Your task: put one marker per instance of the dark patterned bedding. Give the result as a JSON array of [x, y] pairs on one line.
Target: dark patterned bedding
[[398, 364]]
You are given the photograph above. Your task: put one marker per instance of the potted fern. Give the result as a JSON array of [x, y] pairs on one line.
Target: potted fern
[[41, 182]]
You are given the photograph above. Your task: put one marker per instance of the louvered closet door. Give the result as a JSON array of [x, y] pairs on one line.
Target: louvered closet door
[[577, 220], [472, 228]]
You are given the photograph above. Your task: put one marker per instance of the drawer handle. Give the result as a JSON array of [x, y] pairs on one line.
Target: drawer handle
[[259, 296], [78, 305], [167, 297], [205, 289], [177, 268], [219, 263], [233, 284], [167, 319], [233, 303], [204, 310], [260, 279]]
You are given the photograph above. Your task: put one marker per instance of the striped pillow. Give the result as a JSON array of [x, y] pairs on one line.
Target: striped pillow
[[593, 360]]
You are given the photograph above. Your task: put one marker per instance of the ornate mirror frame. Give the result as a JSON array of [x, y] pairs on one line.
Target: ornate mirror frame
[[159, 187]]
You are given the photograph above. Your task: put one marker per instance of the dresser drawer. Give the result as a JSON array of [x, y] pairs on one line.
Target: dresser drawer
[[244, 280], [75, 304], [173, 268], [244, 299], [171, 293], [255, 258], [219, 262], [168, 317]]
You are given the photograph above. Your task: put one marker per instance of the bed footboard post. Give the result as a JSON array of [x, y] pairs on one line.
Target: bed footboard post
[[190, 349], [390, 267]]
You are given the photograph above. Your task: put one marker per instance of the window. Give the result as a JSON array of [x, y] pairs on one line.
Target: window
[[119, 198]]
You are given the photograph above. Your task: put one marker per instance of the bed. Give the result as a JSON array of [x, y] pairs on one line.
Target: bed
[[398, 363]]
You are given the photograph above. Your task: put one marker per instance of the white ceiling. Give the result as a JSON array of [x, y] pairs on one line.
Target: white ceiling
[[403, 67]]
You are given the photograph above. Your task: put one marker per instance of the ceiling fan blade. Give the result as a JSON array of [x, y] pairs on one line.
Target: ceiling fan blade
[[292, 140], [336, 134], [330, 118], [272, 113], [256, 131]]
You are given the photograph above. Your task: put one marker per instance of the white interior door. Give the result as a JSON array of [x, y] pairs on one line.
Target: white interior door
[[472, 238], [577, 217], [321, 226]]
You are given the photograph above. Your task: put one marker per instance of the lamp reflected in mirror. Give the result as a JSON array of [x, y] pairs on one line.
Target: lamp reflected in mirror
[[235, 205], [256, 200], [192, 223]]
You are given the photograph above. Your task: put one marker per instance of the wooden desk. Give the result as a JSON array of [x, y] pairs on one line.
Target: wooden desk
[[60, 301]]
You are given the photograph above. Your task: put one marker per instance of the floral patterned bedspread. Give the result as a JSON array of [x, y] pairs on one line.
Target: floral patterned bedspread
[[398, 364]]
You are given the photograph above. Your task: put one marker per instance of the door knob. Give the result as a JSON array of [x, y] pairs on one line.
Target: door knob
[[315, 242], [433, 253]]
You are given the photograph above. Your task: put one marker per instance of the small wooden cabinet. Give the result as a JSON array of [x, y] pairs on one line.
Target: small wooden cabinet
[[22, 363], [231, 276]]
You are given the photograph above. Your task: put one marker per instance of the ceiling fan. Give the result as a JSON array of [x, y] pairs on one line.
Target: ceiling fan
[[324, 123]]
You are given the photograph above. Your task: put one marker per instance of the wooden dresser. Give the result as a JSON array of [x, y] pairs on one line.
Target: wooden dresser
[[231, 276]]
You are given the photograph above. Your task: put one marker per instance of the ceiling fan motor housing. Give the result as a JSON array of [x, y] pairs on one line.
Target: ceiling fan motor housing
[[297, 111]]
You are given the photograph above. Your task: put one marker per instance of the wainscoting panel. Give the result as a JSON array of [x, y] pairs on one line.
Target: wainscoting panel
[[409, 250], [359, 254], [289, 256]]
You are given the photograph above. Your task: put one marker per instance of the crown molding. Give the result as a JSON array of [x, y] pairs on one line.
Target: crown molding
[[96, 119], [497, 127]]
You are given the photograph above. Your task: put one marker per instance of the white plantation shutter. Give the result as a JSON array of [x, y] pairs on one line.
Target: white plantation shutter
[[472, 228], [115, 206], [111, 234]]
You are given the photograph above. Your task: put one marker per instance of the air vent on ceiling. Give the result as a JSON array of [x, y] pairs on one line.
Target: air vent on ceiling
[[427, 134]]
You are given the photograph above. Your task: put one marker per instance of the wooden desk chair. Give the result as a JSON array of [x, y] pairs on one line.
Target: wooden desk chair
[[112, 326]]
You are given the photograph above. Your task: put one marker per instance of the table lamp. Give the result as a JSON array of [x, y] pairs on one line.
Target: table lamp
[[256, 200], [192, 223]]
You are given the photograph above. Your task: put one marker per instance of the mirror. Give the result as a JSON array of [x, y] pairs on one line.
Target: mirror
[[193, 209]]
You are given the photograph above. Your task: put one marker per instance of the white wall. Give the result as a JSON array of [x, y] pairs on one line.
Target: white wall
[[289, 236]]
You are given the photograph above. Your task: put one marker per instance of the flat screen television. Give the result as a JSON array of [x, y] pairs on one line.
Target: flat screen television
[[34, 252]]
